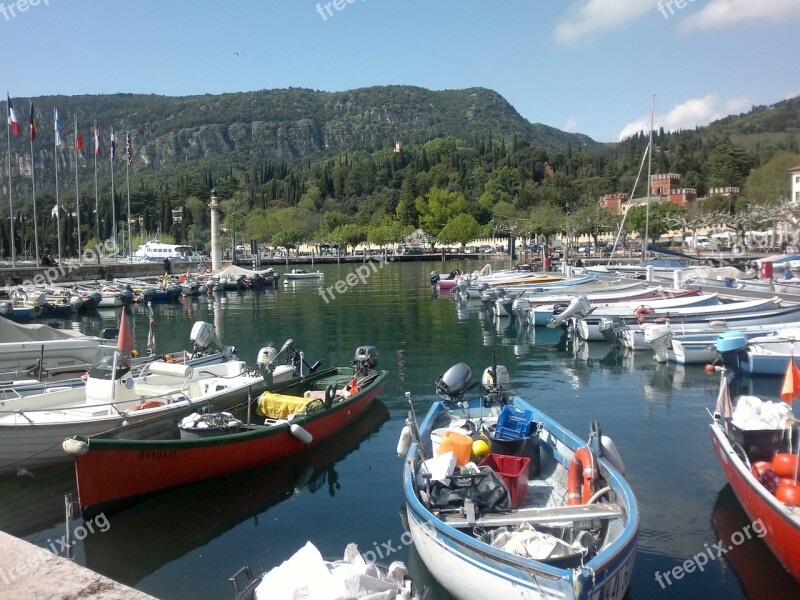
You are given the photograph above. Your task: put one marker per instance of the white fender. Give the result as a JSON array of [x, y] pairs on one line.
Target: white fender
[[300, 433], [611, 454], [75, 447], [405, 441]]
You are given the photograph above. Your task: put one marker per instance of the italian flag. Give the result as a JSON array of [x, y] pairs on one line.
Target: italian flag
[[78, 138]]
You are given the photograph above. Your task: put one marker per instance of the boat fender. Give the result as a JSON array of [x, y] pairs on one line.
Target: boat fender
[[784, 464], [330, 394], [75, 446], [582, 477], [300, 433], [405, 441], [611, 454], [148, 404], [788, 494]]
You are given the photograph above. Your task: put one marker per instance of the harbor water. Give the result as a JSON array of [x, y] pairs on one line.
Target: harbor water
[[186, 542]]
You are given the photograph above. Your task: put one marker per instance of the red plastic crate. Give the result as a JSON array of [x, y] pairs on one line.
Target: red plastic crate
[[514, 472]]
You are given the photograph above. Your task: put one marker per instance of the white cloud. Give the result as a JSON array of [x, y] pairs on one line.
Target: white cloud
[[793, 94], [586, 17], [687, 115], [718, 14], [571, 124]]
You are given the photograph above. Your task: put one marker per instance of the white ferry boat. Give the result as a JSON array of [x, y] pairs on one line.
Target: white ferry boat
[[157, 251]]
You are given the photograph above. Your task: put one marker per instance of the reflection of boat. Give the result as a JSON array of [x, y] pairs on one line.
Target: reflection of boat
[[148, 456], [746, 449], [295, 274], [759, 573], [460, 530], [34, 504], [156, 526]]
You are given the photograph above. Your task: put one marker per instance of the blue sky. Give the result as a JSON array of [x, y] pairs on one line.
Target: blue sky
[[589, 66]]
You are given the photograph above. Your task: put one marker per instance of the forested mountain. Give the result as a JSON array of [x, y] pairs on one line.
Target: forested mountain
[[305, 165]]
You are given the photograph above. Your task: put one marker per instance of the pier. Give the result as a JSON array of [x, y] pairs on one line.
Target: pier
[[27, 571]]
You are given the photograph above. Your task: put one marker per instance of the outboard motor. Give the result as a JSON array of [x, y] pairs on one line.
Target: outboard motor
[[435, 277], [496, 379], [366, 358], [452, 384], [609, 329], [732, 349], [204, 337]]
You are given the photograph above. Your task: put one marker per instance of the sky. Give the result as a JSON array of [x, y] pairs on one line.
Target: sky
[[588, 66]]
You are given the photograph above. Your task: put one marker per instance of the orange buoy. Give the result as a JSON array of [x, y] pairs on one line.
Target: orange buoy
[[784, 465], [582, 476], [760, 466], [709, 368], [789, 495]]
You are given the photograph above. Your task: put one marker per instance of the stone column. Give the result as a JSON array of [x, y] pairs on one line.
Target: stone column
[[216, 249]]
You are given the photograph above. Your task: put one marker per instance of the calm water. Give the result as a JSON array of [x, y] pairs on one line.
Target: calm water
[[185, 543]]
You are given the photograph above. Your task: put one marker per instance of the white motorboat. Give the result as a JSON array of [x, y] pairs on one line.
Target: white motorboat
[[296, 274]]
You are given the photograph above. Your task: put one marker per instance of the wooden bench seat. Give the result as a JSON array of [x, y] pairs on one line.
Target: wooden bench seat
[[561, 514]]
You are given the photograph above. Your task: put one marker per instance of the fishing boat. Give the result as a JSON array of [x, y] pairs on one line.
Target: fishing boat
[[41, 351], [297, 274], [556, 313], [760, 354], [119, 390], [756, 442], [152, 455], [571, 514], [673, 344], [446, 283], [735, 314]]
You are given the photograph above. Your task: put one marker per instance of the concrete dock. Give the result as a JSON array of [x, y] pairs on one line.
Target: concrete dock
[[28, 572]]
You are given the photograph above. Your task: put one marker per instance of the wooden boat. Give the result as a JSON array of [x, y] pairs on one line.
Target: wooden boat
[[156, 454], [746, 455], [218, 504], [459, 540]]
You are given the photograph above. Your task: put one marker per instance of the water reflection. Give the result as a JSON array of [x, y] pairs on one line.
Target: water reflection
[[168, 525], [757, 569]]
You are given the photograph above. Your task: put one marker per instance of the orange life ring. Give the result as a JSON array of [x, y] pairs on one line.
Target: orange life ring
[[582, 478], [641, 311], [148, 404]]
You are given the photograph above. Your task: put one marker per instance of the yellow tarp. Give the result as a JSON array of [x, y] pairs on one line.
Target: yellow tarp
[[279, 406]]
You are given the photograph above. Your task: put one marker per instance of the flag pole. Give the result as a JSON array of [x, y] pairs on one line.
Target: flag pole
[[77, 193], [113, 199], [10, 200], [96, 201], [33, 188], [57, 143], [128, 179]]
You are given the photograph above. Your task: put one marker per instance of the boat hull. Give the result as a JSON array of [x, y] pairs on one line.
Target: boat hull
[[473, 570], [782, 532], [117, 469]]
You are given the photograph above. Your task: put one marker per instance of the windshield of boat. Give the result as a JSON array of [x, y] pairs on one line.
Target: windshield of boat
[[103, 364]]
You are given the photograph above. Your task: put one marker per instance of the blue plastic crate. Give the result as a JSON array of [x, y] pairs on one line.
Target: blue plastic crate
[[513, 423]]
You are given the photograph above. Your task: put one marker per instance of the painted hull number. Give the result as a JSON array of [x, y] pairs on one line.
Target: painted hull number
[[157, 454]]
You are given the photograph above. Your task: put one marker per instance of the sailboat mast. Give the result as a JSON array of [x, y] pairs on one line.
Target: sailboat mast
[[649, 173]]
